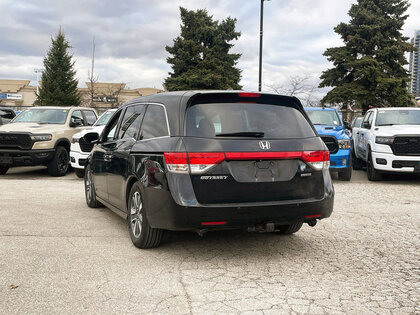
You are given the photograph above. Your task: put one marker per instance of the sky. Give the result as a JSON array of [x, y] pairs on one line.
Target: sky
[[131, 36]]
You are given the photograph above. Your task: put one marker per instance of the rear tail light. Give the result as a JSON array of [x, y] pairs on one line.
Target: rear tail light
[[317, 159], [201, 162], [196, 163]]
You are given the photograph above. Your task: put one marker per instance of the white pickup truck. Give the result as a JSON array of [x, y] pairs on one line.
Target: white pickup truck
[[388, 141]]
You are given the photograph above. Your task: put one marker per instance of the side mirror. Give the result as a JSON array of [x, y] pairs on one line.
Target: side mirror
[[366, 125], [91, 137], [346, 125], [76, 122]]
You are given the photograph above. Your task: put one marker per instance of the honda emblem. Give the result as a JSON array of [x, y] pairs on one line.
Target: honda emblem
[[265, 145]]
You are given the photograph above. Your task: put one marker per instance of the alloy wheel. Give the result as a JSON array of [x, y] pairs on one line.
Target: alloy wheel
[[136, 219], [88, 185]]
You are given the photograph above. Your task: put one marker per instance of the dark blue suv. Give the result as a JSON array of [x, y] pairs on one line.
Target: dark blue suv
[[331, 129]]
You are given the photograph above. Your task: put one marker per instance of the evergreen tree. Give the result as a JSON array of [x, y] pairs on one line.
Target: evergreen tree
[[368, 70], [59, 86], [200, 55]]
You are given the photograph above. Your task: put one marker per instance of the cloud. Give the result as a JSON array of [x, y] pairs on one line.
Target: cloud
[[131, 36]]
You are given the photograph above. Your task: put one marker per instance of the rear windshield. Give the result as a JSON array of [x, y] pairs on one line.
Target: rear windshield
[[264, 120]]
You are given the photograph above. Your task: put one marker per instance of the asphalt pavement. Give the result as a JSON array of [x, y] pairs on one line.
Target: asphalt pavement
[[59, 256]]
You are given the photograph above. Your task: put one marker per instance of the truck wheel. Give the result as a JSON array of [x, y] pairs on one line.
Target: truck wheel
[[372, 173], [142, 235], [90, 190], [80, 172], [290, 229], [3, 170], [356, 162], [60, 163]]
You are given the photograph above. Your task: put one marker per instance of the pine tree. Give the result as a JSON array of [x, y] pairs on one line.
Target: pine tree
[[368, 70], [59, 86], [200, 55]]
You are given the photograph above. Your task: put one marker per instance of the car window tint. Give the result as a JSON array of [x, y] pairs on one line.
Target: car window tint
[[130, 124], [90, 117], [154, 123], [6, 114], [275, 121], [77, 116], [111, 126]]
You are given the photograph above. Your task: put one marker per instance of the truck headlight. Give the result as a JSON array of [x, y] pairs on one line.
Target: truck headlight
[[43, 137], [74, 140], [384, 140], [343, 144]]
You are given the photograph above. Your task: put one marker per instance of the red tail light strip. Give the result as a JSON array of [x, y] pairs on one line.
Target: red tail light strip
[[312, 216], [214, 223]]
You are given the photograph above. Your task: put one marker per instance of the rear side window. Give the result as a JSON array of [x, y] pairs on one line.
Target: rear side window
[[130, 124], [154, 123], [275, 121]]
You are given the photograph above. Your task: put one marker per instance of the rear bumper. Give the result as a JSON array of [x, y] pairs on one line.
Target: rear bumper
[[340, 160], [388, 162], [177, 218], [25, 157]]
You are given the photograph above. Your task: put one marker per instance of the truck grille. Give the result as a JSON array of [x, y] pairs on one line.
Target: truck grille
[[331, 143], [84, 146], [406, 146], [15, 140]]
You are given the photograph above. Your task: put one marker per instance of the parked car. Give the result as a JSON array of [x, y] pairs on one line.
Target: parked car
[[6, 115], [79, 149], [389, 141], [331, 128], [208, 160], [41, 136]]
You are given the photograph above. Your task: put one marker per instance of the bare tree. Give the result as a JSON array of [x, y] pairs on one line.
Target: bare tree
[[112, 93], [91, 77], [300, 87]]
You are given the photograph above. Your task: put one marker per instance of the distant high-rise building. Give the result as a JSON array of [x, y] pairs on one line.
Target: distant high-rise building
[[415, 65]]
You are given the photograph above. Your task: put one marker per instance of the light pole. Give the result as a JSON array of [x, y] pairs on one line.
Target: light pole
[[37, 71], [261, 44]]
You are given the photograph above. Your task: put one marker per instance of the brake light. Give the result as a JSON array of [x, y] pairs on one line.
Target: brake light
[[249, 94], [194, 162], [202, 162], [317, 159], [176, 162]]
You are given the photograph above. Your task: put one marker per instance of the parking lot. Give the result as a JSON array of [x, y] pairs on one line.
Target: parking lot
[[59, 256]]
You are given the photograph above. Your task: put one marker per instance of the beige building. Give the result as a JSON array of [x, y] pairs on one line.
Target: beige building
[[18, 93]]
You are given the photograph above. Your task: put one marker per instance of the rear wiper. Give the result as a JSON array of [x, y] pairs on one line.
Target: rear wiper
[[255, 134], [385, 125]]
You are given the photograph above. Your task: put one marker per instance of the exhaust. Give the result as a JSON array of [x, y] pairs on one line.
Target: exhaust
[[312, 223]]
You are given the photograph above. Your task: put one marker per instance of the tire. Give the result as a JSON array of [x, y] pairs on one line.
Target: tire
[[356, 162], [290, 229], [142, 235], [346, 174], [59, 165], [80, 172], [3, 170], [90, 194], [372, 173]]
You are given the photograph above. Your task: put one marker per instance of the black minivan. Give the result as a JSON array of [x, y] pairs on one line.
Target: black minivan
[[206, 160]]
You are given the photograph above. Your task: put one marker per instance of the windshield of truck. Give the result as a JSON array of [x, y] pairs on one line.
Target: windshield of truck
[[398, 117], [42, 116], [324, 117], [246, 120], [104, 118]]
